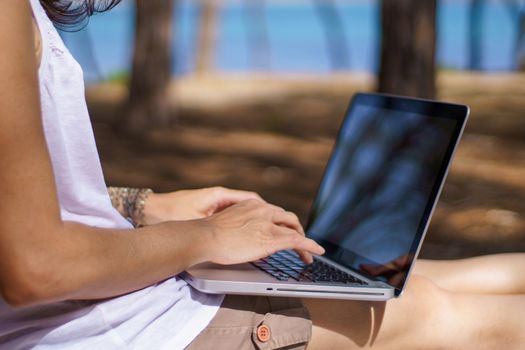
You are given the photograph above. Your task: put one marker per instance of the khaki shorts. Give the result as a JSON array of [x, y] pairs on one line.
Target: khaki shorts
[[251, 322]]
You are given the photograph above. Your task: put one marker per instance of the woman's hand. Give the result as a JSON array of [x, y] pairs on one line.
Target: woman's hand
[[252, 230], [192, 204], [243, 226]]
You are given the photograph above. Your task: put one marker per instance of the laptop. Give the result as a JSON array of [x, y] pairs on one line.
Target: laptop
[[371, 211]]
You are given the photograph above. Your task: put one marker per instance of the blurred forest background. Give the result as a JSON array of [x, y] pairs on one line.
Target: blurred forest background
[[249, 94]]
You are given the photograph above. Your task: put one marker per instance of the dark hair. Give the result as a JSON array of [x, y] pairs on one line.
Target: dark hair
[[71, 14]]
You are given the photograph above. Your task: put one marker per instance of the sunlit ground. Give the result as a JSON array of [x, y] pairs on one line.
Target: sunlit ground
[[274, 134]]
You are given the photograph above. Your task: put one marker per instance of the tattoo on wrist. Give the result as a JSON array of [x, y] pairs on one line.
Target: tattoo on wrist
[[130, 202]]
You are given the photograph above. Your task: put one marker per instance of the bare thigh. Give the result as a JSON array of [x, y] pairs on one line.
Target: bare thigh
[[425, 317], [490, 274]]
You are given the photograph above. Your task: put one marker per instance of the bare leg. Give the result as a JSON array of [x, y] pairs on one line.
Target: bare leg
[[490, 274], [426, 317]]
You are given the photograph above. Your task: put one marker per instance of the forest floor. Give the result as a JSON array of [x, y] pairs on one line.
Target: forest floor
[[273, 135]]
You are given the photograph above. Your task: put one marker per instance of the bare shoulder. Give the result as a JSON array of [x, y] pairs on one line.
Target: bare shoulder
[[17, 37], [15, 19], [18, 62]]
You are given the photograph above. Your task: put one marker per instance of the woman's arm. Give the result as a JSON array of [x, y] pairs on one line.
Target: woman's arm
[[43, 259], [143, 207]]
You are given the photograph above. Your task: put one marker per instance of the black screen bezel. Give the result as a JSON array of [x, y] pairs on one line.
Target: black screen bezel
[[456, 112]]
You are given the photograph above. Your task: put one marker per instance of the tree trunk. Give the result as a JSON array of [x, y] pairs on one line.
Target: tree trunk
[[520, 46], [257, 36], [408, 50], [476, 34], [148, 105], [207, 36], [334, 33], [516, 10]]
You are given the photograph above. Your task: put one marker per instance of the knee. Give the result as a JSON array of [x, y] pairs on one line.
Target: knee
[[415, 319], [419, 284], [430, 309], [426, 297]]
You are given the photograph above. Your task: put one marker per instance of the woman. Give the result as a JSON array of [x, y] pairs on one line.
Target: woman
[[74, 275]]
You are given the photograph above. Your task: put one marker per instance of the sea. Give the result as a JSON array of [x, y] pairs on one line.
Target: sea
[[291, 36]]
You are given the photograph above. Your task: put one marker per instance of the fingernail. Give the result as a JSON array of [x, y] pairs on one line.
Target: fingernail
[[321, 250]]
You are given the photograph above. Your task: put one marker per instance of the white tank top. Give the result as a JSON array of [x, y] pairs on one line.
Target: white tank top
[[167, 315]]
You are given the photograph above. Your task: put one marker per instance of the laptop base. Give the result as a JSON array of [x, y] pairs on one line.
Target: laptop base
[[244, 279]]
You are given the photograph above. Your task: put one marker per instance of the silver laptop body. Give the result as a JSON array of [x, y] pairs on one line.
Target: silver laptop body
[[372, 208]]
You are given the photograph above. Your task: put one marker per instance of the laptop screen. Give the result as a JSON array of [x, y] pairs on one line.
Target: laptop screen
[[382, 181]]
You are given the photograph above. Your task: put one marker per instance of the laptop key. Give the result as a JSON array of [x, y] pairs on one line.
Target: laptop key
[[296, 276], [286, 265]]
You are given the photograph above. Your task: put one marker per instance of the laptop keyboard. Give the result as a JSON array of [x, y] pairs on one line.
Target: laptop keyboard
[[286, 265]]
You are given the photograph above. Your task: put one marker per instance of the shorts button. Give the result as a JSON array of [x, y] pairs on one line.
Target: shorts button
[[263, 333]]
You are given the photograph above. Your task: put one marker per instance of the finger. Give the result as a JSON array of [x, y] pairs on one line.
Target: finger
[[397, 279], [287, 238], [403, 261], [374, 270], [288, 219], [236, 195], [305, 256], [225, 197]]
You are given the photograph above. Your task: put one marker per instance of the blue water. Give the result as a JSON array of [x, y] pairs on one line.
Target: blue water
[[296, 39]]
